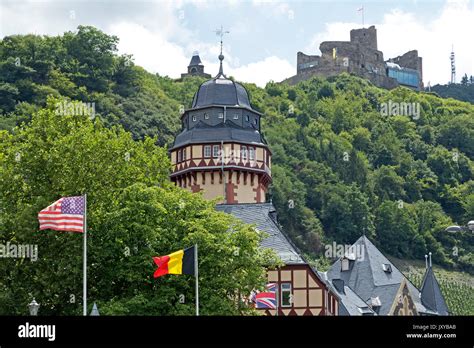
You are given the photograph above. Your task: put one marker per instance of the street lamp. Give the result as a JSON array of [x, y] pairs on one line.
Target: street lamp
[[33, 307], [457, 229]]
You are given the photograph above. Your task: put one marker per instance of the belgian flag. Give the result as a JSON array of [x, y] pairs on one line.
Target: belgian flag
[[179, 262]]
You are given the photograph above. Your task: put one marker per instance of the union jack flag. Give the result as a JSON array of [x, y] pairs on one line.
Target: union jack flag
[[267, 299]]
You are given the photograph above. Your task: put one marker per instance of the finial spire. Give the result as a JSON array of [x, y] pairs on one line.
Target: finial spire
[[426, 261], [430, 257], [221, 32]]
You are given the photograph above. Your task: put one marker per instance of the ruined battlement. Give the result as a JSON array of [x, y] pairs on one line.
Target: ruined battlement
[[360, 57]]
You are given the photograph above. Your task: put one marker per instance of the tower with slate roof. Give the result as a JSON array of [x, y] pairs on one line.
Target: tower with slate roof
[[195, 67], [220, 149]]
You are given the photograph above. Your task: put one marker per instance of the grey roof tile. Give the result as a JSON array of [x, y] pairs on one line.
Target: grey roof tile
[[260, 215], [228, 131], [431, 295], [367, 277], [221, 91]]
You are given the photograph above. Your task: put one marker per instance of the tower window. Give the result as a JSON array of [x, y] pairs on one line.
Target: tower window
[[206, 116], [243, 151], [215, 151], [236, 116], [221, 115], [256, 122], [194, 118], [247, 118], [207, 150], [251, 153]]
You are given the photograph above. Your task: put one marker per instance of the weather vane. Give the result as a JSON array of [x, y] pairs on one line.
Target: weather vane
[[221, 32]]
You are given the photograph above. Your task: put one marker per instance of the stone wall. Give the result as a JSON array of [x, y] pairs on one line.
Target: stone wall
[[359, 56]]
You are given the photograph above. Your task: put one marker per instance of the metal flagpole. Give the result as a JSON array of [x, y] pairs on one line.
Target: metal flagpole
[[84, 296], [276, 298], [196, 274]]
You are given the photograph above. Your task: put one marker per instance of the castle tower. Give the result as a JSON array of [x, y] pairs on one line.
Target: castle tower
[[365, 37], [220, 149], [195, 67]]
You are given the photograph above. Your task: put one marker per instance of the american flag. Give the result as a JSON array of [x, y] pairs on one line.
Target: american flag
[[66, 214], [267, 299]]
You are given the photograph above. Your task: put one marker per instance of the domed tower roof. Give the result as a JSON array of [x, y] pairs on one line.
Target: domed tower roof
[[221, 91]]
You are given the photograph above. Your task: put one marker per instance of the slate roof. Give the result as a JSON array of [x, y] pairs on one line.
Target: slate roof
[[431, 295], [263, 216], [195, 60], [350, 304], [367, 278], [221, 91], [228, 131]]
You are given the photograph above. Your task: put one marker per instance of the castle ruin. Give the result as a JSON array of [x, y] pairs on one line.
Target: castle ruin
[[360, 57]]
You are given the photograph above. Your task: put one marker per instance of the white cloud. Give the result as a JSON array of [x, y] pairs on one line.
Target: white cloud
[[399, 32], [150, 49], [261, 72]]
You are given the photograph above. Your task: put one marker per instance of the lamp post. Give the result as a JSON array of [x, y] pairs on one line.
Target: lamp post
[[33, 307], [458, 229]]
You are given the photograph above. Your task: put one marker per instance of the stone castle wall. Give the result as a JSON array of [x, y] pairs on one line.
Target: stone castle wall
[[358, 56]]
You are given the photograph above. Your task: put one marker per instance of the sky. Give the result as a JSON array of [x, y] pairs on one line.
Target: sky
[[265, 35]]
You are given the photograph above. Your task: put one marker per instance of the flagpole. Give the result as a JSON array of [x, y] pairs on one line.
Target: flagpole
[[277, 288], [196, 274], [84, 296]]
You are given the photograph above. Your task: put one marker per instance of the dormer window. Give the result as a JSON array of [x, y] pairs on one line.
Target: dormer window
[[194, 118], [179, 155], [387, 268], [220, 115], [184, 154], [344, 264], [236, 116], [206, 116]]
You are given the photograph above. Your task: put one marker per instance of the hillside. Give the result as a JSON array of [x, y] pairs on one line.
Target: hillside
[[459, 91], [342, 164]]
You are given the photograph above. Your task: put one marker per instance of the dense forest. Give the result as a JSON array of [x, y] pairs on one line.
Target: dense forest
[[341, 167], [463, 91]]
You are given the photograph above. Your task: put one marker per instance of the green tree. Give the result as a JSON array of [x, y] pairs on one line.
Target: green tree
[[134, 213]]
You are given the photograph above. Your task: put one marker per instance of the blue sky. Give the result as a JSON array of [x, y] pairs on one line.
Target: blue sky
[[264, 35]]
